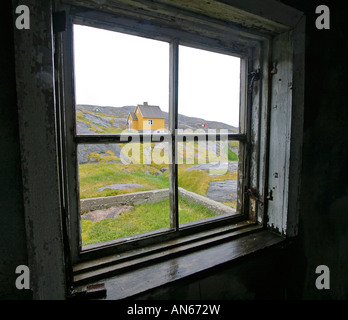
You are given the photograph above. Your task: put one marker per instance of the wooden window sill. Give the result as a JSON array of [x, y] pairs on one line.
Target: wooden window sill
[[125, 277]]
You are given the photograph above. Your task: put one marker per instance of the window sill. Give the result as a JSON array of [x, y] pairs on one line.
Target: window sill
[[138, 272]]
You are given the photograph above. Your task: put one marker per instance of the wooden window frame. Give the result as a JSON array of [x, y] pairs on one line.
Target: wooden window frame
[[254, 49], [68, 115]]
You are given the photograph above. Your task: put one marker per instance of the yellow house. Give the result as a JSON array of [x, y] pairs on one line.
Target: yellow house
[[146, 117]]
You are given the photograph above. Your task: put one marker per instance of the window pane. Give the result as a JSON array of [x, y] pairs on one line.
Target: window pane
[[207, 179], [209, 87], [123, 190], [115, 73]]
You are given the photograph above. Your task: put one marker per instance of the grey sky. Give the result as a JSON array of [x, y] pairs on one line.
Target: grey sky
[[114, 69]]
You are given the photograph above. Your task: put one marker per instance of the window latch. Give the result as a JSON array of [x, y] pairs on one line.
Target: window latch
[[270, 195], [253, 76], [252, 193], [254, 200], [93, 291]]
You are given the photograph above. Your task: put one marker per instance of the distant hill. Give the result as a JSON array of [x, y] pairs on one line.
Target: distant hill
[[104, 119], [93, 119]]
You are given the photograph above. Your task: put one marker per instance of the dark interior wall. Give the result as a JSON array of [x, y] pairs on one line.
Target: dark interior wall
[[12, 229], [323, 236], [260, 277]]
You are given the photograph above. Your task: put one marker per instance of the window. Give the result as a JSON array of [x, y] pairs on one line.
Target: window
[[209, 124], [131, 185], [141, 186]]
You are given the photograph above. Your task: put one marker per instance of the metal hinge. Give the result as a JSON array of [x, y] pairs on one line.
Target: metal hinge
[[59, 21], [253, 76], [252, 193], [269, 195], [254, 203], [93, 291]]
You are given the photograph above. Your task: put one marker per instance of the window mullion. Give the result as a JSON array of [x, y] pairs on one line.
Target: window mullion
[[173, 124]]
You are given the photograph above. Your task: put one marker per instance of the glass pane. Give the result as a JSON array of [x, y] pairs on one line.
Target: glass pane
[[209, 88], [121, 82], [208, 181], [123, 190]]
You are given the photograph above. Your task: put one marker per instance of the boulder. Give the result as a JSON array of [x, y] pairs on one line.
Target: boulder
[[223, 191], [110, 213], [121, 186]]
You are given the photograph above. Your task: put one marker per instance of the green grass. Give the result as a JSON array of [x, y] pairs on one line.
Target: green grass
[[143, 218], [198, 180], [234, 144], [232, 156], [95, 175]]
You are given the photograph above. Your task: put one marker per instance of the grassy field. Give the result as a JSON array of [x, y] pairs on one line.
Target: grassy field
[[95, 175], [143, 218], [102, 170]]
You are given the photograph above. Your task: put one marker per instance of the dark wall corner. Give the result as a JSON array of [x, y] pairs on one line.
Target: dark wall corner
[[12, 228]]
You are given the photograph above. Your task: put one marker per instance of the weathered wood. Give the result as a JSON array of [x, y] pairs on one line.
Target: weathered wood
[[67, 114], [36, 110], [274, 16], [256, 110], [296, 135], [242, 152], [179, 15], [260, 104], [155, 137], [280, 122], [180, 266], [173, 124], [264, 132], [87, 272], [95, 263], [153, 26], [268, 17]]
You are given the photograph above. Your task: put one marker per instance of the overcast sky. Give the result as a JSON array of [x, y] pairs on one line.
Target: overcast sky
[[114, 69]]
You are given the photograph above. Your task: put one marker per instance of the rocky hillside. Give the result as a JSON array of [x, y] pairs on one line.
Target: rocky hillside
[[111, 120], [95, 119]]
